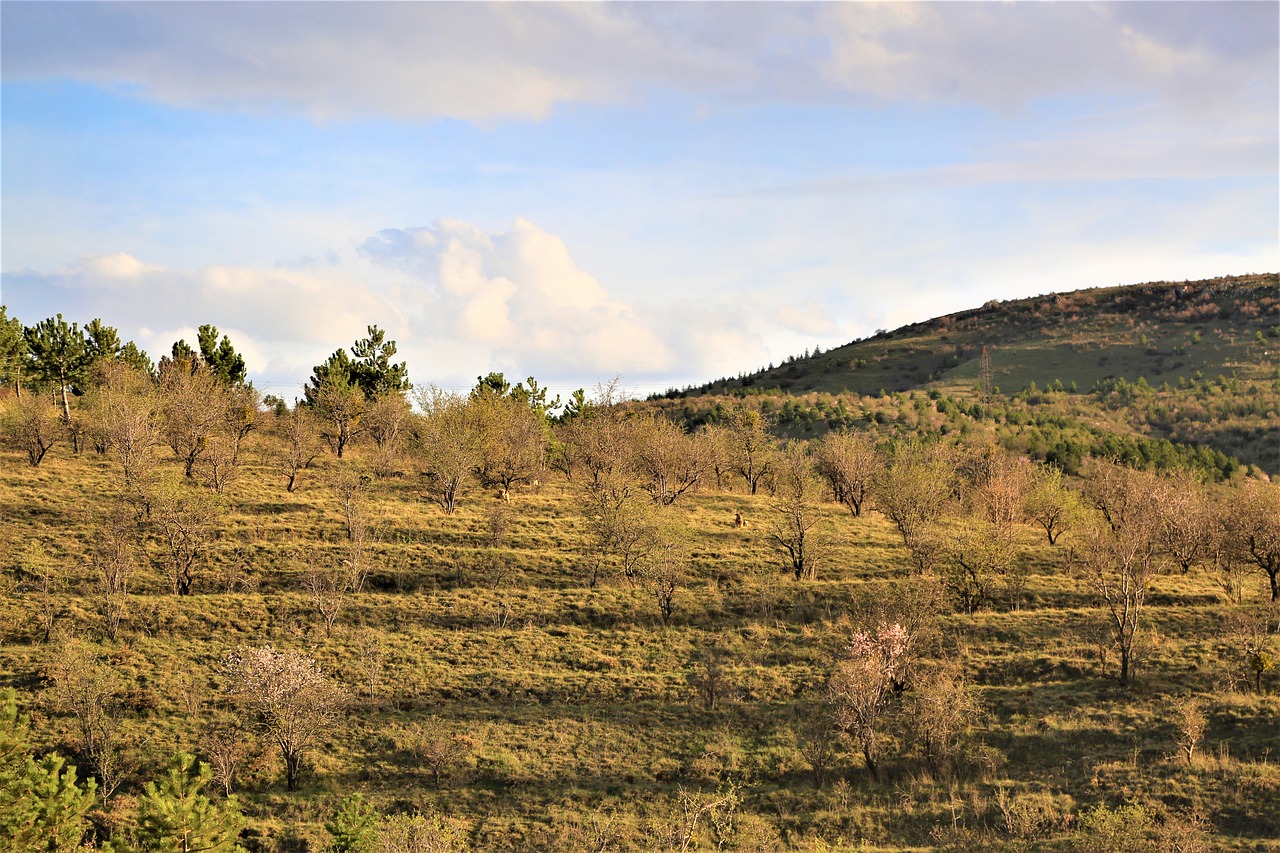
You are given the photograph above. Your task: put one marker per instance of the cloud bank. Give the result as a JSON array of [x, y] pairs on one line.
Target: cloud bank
[[486, 62]]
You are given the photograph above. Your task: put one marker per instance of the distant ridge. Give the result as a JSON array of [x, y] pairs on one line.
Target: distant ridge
[[1158, 331]]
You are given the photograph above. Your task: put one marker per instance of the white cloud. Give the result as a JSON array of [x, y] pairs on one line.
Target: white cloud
[[519, 294], [485, 62]]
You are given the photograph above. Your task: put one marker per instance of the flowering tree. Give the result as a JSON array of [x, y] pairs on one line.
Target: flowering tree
[[293, 702], [865, 683]]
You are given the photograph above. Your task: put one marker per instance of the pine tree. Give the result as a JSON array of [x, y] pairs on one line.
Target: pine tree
[[59, 355], [13, 350], [174, 815], [41, 806], [222, 358]]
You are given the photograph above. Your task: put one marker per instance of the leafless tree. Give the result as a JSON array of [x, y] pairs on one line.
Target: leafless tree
[[796, 530], [298, 444], [185, 521], [664, 574], [1048, 502], [669, 461], [752, 448], [514, 441], [623, 524], [89, 690], [45, 577], [388, 421], [33, 425], [1253, 530], [1120, 556], [192, 407], [115, 558], [449, 442], [849, 462], [914, 491], [1190, 724], [290, 699], [1190, 528]]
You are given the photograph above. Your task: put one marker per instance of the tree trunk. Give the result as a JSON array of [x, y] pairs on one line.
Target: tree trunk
[[292, 770]]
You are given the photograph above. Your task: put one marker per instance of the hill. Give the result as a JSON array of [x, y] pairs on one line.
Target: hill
[[1162, 331], [1195, 363]]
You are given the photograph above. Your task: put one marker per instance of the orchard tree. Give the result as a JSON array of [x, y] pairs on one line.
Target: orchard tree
[[450, 441], [849, 462], [795, 531], [290, 699], [1120, 556]]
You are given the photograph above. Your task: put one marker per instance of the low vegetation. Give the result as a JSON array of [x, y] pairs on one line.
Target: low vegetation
[[942, 620]]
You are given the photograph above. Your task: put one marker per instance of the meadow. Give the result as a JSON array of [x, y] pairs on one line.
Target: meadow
[[495, 688]]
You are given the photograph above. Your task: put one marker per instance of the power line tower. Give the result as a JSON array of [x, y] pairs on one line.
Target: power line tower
[[984, 374]]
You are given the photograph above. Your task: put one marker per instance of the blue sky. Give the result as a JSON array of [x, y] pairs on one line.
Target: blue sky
[[668, 192]]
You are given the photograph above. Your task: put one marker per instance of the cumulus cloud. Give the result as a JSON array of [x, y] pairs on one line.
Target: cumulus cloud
[[483, 62], [520, 294]]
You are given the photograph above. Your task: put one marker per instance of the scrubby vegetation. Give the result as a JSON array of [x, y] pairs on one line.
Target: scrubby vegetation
[[923, 620]]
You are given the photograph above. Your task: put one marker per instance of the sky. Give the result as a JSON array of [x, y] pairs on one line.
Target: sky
[[665, 193]]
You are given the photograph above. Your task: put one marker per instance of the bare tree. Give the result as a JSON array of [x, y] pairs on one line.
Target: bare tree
[[664, 574], [123, 408], [623, 524], [939, 709], [388, 422], [450, 442], [32, 424], [514, 441], [1190, 725], [290, 699], [89, 691], [46, 577], [185, 522], [192, 406], [751, 446], [1253, 530], [298, 444], [849, 462], [1049, 503], [670, 461], [1120, 556], [115, 558], [914, 491], [1189, 523], [796, 530]]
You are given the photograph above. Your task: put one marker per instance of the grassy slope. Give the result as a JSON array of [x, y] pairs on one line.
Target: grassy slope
[[576, 705], [1168, 334], [1162, 331]]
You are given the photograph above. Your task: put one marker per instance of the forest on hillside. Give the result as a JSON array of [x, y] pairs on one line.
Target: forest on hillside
[[392, 618]]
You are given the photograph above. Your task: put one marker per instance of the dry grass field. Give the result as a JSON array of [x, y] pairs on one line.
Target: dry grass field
[[490, 683]]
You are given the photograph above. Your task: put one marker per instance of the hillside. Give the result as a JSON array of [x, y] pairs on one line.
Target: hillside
[[511, 685], [1196, 363]]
